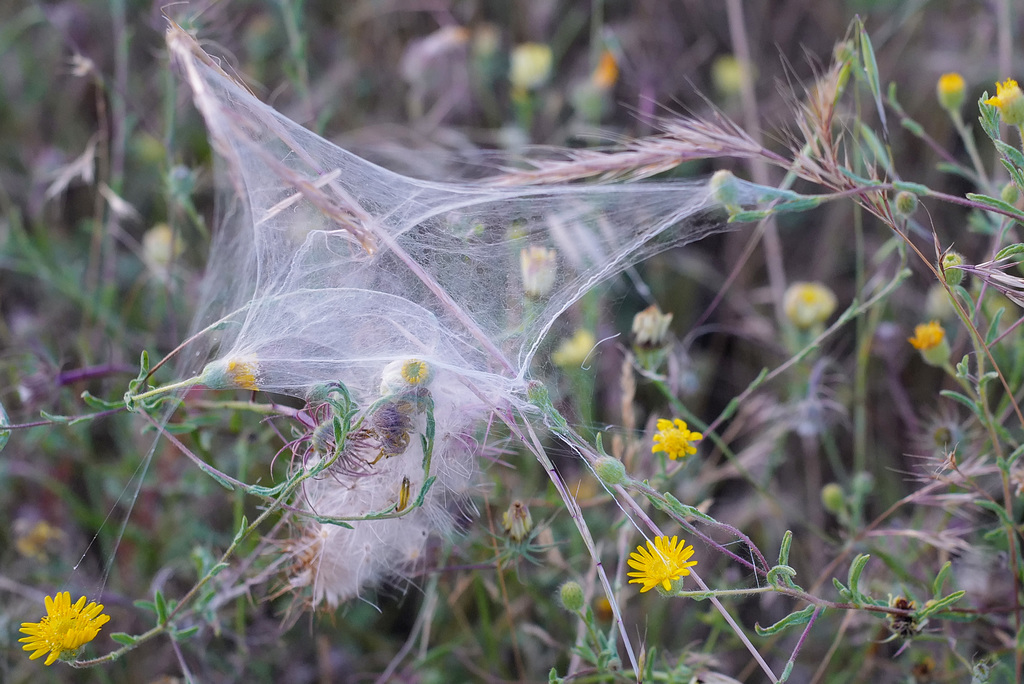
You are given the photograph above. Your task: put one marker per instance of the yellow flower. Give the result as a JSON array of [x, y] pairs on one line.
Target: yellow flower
[[808, 304], [930, 340], [727, 75], [416, 372], [675, 439], [927, 336], [1010, 101], [951, 90], [242, 373], [531, 65], [662, 562], [574, 351], [606, 73], [64, 629]]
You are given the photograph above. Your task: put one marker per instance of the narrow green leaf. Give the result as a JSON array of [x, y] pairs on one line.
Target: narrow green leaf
[[916, 188], [844, 593], [781, 575], [1011, 153], [988, 116], [241, 530], [787, 541], [1010, 250], [940, 578], [939, 605], [998, 204], [797, 205], [914, 127], [993, 330], [1016, 174], [995, 508], [161, 607], [124, 639], [749, 216], [856, 568], [102, 404], [965, 400], [183, 634], [800, 617], [867, 56], [686, 511], [5, 435], [54, 418], [1012, 458]]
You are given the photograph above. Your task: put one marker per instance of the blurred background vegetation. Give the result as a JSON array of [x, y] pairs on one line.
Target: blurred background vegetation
[[105, 215]]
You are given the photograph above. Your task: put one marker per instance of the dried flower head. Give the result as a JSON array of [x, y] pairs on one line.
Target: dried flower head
[[661, 562], [903, 626], [650, 327], [64, 629], [675, 439], [808, 304], [1010, 101], [517, 521], [951, 90], [538, 266]]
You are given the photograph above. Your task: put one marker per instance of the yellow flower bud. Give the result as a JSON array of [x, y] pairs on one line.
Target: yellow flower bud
[[951, 90], [1010, 101]]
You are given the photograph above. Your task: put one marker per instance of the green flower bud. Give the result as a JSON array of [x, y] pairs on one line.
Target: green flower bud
[[723, 190], [833, 498], [906, 203], [571, 595], [1009, 194], [610, 470], [951, 90], [950, 263]]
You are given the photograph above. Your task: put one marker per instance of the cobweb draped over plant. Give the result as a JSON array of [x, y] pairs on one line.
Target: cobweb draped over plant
[[327, 268]]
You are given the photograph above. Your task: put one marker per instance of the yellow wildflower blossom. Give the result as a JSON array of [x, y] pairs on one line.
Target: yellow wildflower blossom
[[675, 439], [662, 562], [64, 629], [927, 336], [1010, 101]]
